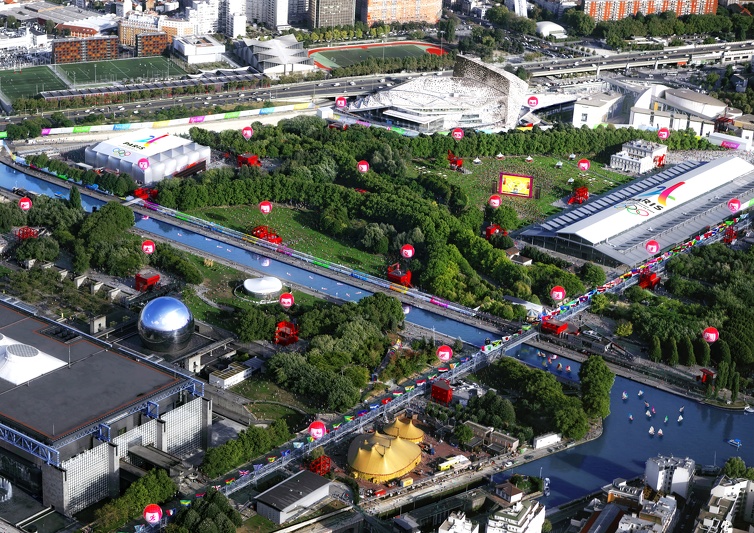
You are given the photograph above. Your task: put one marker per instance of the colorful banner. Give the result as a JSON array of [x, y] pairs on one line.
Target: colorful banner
[[81, 129], [232, 114]]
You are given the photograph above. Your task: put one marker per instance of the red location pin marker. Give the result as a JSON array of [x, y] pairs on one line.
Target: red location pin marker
[[148, 247], [286, 300], [143, 163], [663, 134], [557, 293], [734, 204], [407, 251], [152, 513], [265, 207], [710, 334], [317, 429], [247, 132], [363, 166], [584, 165], [533, 101], [445, 353], [652, 247], [457, 134], [24, 203], [495, 201], [341, 102]]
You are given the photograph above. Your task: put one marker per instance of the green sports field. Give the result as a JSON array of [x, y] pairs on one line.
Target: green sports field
[[118, 70], [346, 56], [28, 82]]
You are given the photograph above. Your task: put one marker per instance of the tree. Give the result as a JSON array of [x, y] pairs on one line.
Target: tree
[[734, 467], [672, 352], [655, 352], [580, 22], [592, 275], [735, 386], [624, 329], [687, 351], [702, 351], [600, 304], [547, 526], [74, 201], [596, 382], [463, 434]]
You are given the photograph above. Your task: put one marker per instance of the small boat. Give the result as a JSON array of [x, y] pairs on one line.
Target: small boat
[[659, 432], [641, 393], [735, 442], [681, 409], [544, 364], [145, 217], [680, 418], [549, 360], [625, 396], [546, 486], [749, 409], [630, 417], [560, 367], [651, 430], [568, 368], [646, 403], [666, 419], [653, 410], [649, 415], [554, 356]]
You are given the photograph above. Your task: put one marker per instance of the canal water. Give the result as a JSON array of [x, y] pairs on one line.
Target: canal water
[[624, 446]]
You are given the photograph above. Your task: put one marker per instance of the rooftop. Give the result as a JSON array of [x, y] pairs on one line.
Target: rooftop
[[598, 100], [694, 96], [282, 50], [97, 383], [702, 204], [289, 492]]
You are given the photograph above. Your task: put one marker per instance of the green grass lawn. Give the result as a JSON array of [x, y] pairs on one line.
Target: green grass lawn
[[260, 388], [296, 227], [112, 71], [29, 82], [551, 182], [345, 57], [271, 411]]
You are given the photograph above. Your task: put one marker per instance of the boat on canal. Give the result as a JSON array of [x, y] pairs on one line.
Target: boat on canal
[[651, 430], [736, 443], [680, 418], [641, 393], [625, 396]]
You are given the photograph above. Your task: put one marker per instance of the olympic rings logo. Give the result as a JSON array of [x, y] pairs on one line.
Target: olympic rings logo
[[121, 152], [637, 210]]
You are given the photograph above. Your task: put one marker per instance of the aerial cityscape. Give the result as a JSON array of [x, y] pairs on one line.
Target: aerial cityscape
[[376, 266]]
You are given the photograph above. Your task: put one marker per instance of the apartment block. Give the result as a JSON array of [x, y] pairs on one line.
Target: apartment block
[[391, 11], [325, 13], [79, 50], [152, 44], [601, 10]]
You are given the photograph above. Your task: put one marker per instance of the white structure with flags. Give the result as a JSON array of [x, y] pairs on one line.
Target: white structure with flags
[[165, 155]]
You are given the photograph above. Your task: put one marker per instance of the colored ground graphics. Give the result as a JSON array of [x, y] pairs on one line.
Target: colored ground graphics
[[345, 56]]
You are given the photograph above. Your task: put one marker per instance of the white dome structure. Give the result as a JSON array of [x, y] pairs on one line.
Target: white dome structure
[[699, 103], [263, 287], [20, 363], [547, 28]]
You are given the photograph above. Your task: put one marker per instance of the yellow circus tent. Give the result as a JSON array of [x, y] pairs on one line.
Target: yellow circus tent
[[380, 458], [405, 429]]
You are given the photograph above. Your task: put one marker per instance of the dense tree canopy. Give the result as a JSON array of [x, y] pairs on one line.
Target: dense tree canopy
[[596, 382]]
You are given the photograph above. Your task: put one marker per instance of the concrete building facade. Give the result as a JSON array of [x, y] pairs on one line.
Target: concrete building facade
[[602, 10], [670, 474], [324, 13], [295, 495], [391, 11], [521, 517]]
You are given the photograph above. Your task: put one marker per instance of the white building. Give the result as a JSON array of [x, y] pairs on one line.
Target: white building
[[271, 13], [596, 109], [197, 50], [521, 517], [548, 439], [233, 18], [458, 523], [730, 141], [547, 28], [235, 373], [292, 497], [205, 16], [670, 474], [639, 156], [517, 6], [659, 517], [730, 499], [676, 109], [123, 7], [283, 55]]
